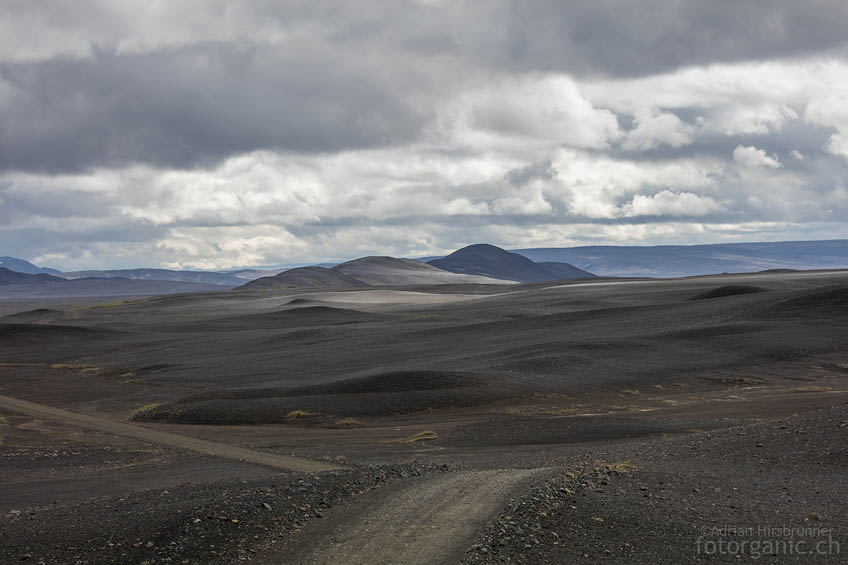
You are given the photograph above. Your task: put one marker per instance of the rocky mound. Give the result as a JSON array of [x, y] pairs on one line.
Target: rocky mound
[[494, 262], [13, 277], [31, 316], [33, 338], [304, 277], [728, 290], [302, 317], [372, 396], [831, 303], [387, 271]]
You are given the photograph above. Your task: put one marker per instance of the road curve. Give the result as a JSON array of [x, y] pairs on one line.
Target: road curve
[[433, 522], [166, 439]]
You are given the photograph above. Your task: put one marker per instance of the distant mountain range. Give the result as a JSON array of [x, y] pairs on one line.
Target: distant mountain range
[[226, 279], [8, 276], [494, 262], [15, 285], [21, 266], [304, 277], [387, 271], [687, 260], [475, 264], [364, 272], [480, 263]]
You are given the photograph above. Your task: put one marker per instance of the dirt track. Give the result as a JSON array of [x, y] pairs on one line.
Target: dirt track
[[430, 522], [164, 438]]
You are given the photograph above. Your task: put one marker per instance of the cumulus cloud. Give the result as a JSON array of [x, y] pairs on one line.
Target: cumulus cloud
[[533, 205], [595, 187], [740, 119], [657, 128], [753, 157], [829, 109], [538, 109], [667, 203]]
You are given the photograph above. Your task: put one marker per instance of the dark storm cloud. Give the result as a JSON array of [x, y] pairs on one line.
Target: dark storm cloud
[[99, 244], [357, 77], [639, 37], [47, 204], [190, 106], [794, 135], [542, 170]]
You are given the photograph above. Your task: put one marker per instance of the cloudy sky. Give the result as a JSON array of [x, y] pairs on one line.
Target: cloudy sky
[[215, 134]]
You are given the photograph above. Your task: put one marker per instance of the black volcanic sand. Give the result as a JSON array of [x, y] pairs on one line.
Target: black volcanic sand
[[378, 395], [572, 339], [216, 523], [690, 499], [571, 376], [729, 290], [47, 464]]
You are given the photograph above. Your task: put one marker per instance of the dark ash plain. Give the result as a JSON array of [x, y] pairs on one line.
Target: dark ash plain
[[579, 422]]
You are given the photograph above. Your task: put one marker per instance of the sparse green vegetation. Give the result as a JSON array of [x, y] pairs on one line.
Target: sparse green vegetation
[[294, 414], [145, 408], [121, 303], [426, 435], [813, 388], [347, 423], [543, 410], [87, 369], [550, 395], [618, 466], [739, 381]]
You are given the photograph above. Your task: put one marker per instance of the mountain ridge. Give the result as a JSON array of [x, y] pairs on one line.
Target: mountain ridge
[[491, 261], [702, 259], [24, 266], [200, 277], [304, 277], [10, 277], [387, 271], [602, 260]]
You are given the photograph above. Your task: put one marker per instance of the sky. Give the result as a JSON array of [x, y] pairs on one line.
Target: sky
[[216, 134]]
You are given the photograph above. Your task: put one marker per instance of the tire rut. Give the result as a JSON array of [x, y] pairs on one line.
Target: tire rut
[[430, 522]]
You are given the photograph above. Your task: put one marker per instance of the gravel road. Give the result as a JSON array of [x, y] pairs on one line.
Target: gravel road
[[167, 439], [430, 522]]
